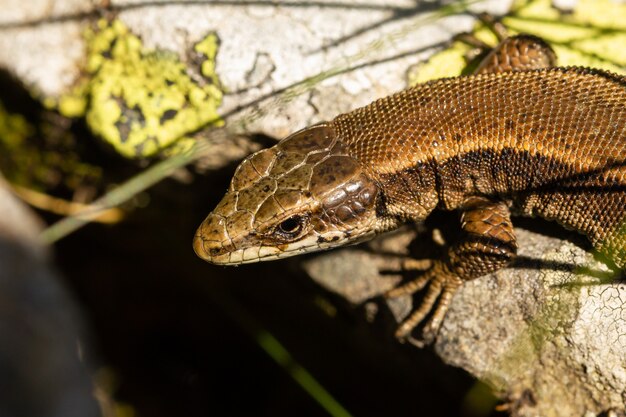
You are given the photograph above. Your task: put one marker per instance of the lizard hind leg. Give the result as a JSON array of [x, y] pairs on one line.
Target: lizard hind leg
[[487, 244], [520, 52]]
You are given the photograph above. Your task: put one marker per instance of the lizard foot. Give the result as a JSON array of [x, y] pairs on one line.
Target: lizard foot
[[442, 284]]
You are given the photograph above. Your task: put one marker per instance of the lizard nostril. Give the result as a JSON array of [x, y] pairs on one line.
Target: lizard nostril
[[199, 249], [208, 250]]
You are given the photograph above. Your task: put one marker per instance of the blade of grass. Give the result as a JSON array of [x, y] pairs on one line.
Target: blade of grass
[[119, 195], [162, 169], [275, 350], [281, 356]]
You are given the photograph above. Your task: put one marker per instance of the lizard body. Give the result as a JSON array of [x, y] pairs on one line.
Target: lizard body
[[548, 142]]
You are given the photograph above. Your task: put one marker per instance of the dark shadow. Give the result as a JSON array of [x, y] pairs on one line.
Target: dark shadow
[[423, 247], [15, 97]]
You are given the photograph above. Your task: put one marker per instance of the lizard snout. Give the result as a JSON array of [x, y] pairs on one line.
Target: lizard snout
[[211, 241], [199, 249]]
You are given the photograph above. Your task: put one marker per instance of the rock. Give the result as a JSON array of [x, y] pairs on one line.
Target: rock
[[328, 59], [41, 373], [547, 333]]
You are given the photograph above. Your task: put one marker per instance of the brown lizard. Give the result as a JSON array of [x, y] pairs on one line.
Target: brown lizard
[[520, 136]]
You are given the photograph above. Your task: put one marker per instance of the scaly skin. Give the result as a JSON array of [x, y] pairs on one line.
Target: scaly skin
[[548, 142]]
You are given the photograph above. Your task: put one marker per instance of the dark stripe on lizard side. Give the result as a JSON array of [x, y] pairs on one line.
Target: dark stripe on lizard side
[[503, 174], [591, 201]]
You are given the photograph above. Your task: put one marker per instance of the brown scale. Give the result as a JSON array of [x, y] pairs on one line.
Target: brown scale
[[518, 137], [549, 142]]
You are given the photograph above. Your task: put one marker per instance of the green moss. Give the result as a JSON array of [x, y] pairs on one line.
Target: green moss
[[40, 155], [142, 101], [14, 129]]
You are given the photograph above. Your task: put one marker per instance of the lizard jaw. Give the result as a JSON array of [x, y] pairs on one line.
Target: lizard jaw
[[224, 253]]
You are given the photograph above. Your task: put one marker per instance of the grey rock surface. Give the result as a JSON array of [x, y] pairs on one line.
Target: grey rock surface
[[265, 49], [282, 66], [547, 333], [41, 42]]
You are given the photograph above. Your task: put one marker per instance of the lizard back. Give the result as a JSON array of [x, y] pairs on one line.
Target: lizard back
[[552, 142]]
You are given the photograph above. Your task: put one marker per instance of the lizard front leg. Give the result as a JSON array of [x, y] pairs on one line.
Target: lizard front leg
[[487, 243]]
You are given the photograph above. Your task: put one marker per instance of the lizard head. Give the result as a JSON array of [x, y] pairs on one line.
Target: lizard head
[[304, 194]]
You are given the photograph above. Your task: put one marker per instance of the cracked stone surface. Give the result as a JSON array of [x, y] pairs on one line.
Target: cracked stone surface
[[41, 43], [264, 49], [550, 341]]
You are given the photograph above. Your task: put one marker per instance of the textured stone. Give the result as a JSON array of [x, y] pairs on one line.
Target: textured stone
[[550, 341]]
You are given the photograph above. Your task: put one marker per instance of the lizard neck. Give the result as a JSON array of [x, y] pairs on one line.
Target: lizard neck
[[411, 193]]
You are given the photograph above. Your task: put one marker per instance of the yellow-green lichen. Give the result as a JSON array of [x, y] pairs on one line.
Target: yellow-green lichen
[[593, 35], [143, 101], [208, 47]]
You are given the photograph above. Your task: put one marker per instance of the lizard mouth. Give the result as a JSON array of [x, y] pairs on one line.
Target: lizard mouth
[[222, 253], [226, 253]]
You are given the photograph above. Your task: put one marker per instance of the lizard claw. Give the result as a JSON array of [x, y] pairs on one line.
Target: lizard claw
[[442, 284]]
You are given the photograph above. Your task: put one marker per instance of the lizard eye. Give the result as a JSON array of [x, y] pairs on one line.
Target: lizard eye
[[291, 227]]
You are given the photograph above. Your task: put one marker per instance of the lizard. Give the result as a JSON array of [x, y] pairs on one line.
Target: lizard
[[519, 136]]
